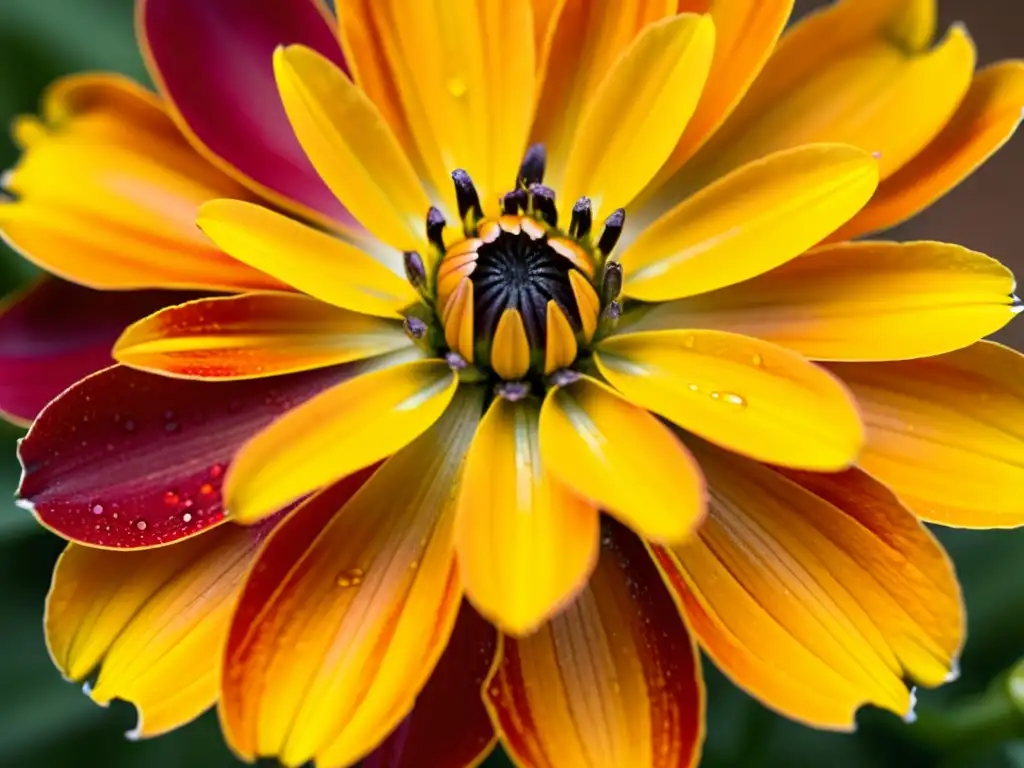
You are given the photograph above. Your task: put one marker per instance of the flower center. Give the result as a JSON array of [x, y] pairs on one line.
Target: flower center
[[517, 297]]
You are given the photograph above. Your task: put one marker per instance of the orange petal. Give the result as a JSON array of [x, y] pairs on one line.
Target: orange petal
[[984, 121], [816, 593], [151, 620], [107, 192], [623, 458], [526, 543], [756, 218], [254, 335], [859, 73], [745, 394], [349, 608], [348, 427], [613, 681], [947, 433], [560, 349], [587, 38], [858, 301], [745, 35], [510, 349], [449, 726]]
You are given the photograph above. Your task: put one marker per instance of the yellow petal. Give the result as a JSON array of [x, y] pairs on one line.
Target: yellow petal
[[745, 35], [152, 620], [754, 219], [526, 544], [587, 302], [254, 335], [745, 394], [348, 427], [622, 458], [510, 349], [107, 191], [635, 118], [858, 301], [350, 607], [352, 147], [458, 320], [612, 682], [858, 73], [473, 66], [586, 41], [947, 433], [560, 350], [817, 593], [311, 261], [984, 121]]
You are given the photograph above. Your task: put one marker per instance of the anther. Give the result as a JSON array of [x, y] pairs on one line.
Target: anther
[[513, 391], [582, 219], [543, 199], [415, 328], [563, 377], [455, 361], [435, 228], [466, 196], [612, 285], [613, 311], [532, 170], [415, 272], [513, 202], [612, 231]]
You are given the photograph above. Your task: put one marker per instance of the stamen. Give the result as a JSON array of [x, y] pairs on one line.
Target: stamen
[[455, 361], [415, 272], [514, 202], [543, 200], [435, 228], [513, 391], [612, 231], [415, 328], [613, 311], [612, 286], [466, 196], [563, 377], [532, 170], [582, 219]]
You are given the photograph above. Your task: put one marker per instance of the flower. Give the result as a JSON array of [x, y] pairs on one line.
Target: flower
[[550, 307]]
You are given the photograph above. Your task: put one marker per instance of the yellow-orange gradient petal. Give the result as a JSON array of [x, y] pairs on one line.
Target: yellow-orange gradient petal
[[348, 610], [586, 40], [473, 65], [623, 458], [352, 147], [634, 119], [254, 335], [348, 427], [756, 218], [747, 395], [152, 621], [947, 433], [816, 593], [856, 73], [510, 349], [858, 302], [745, 35], [106, 193], [526, 543], [311, 261], [612, 682], [984, 121]]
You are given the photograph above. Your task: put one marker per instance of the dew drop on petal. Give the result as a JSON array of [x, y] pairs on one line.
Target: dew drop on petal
[[171, 499], [141, 525], [730, 398], [187, 517], [216, 471], [693, 387], [206, 489], [758, 361], [97, 509], [351, 577]]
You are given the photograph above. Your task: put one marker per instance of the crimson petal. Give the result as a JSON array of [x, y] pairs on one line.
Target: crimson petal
[[128, 460], [213, 60], [449, 726], [55, 333]]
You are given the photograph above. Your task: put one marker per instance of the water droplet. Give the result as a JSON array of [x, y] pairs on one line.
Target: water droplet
[[216, 471], [187, 517], [414, 565], [206, 489], [141, 525], [729, 397], [97, 509], [171, 499], [351, 577], [758, 361], [693, 387], [456, 87]]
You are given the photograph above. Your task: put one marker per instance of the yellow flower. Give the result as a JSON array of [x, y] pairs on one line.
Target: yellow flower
[[584, 352]]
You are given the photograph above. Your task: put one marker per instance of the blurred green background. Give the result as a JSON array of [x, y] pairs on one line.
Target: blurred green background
[[47, 723]]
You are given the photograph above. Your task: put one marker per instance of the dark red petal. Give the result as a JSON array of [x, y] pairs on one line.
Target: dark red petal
[[449, 727], [126, 459], [55, 333], [213, 60]]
